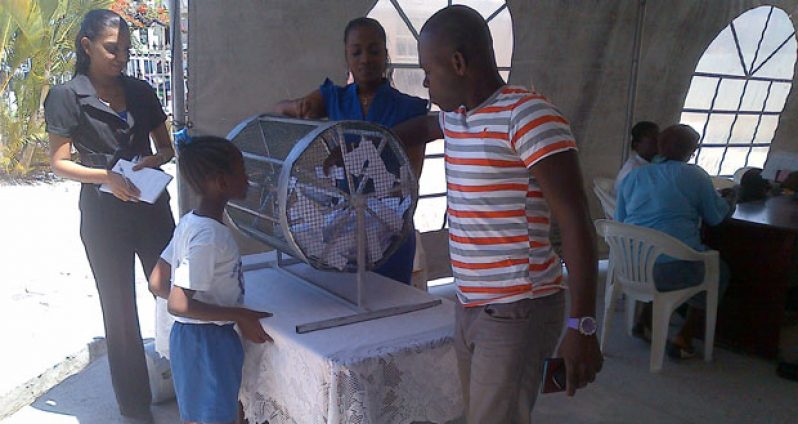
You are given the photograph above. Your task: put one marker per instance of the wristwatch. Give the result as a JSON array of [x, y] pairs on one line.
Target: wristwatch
[[586, 326]]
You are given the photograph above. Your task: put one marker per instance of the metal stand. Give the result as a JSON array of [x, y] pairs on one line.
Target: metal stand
[[365, 316], [361, 312]]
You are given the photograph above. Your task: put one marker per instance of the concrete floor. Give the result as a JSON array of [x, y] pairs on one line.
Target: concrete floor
[[85, 398], [733, 389], [48, 300]]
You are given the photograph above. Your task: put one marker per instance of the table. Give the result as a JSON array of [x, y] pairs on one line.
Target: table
[[759, 245], [780, 212], [398, 369]]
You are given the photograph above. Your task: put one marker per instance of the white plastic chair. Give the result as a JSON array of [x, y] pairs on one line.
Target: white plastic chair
[[633, 251], [603, 187]]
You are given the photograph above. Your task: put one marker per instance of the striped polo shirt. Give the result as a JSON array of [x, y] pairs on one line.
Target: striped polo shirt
[[498, 219]]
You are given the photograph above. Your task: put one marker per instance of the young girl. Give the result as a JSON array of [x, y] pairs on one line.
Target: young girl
[[204, 264]]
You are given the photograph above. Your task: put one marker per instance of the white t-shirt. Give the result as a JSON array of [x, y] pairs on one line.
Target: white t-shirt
[[205, 258], [634, 161]]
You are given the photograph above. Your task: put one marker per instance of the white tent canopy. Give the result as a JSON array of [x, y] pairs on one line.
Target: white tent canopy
[[579, 54]]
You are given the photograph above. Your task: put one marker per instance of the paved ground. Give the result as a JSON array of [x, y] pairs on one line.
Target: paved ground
[[85, 398], [48, 301]]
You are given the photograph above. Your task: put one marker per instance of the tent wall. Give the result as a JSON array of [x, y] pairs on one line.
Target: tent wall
[[579, 52], [673, 42], [246, 56]]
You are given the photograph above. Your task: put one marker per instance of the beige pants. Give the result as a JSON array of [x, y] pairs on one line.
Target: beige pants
[[500, 350]]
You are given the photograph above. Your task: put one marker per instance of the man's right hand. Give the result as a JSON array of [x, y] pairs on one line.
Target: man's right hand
[[583, 359], [249, 323]]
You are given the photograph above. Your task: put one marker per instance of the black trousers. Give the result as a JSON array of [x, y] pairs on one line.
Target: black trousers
[[113, 232]]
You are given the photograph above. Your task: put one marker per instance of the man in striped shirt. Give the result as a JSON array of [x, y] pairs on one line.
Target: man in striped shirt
[[510, 160]]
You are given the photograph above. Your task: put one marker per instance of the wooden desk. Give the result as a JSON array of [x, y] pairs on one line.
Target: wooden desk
[[779, 212], [759, 245]]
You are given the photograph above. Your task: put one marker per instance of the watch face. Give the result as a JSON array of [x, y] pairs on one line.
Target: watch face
[[588, 325]]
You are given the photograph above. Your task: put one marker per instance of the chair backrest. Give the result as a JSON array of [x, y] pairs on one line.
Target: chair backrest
[[634, 250], [602, 187], [606, 184]]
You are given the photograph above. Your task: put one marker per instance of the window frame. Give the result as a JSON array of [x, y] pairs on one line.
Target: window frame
[[748, 75], [405, 65]]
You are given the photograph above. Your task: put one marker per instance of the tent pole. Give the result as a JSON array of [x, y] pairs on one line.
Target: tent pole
[[178, 90], [633, 77]]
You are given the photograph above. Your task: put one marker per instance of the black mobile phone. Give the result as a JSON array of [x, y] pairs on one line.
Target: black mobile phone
[[553, 375]]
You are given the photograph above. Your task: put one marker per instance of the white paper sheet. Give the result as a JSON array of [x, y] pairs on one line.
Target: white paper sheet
[[335, 173], [375, 170], [150, 182]]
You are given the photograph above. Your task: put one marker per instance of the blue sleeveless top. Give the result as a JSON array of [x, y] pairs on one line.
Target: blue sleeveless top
[[388, 108]]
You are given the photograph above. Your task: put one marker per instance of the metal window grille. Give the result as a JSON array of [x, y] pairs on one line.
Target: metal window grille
[[407, 63], [155, 67], [748, 73]]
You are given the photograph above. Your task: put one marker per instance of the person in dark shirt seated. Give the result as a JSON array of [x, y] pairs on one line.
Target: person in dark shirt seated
[[674, 197], [644, 148]]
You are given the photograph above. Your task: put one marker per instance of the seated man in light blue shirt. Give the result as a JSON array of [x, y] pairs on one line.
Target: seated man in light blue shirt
[[674, 197]]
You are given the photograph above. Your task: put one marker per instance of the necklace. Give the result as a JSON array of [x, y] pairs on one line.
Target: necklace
[[365, 101]]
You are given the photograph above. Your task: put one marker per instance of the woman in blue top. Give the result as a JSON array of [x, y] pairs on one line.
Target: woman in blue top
[[370, 98]]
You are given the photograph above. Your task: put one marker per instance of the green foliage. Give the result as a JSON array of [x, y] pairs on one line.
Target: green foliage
[[36, 48]]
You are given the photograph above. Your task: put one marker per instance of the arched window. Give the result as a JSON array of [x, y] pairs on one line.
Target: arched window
[[403, 20], [739, 89]]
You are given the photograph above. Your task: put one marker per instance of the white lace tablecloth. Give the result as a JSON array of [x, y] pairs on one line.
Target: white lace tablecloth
[[398, 369]]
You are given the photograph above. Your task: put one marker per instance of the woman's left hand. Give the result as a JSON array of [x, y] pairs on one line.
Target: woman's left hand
[[153, 161]]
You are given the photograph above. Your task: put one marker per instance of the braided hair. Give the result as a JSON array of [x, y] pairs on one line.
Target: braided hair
[[204, 158]]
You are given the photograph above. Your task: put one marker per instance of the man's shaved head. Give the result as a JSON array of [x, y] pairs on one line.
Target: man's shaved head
[[455, 49], [678, 142], [462, 29]]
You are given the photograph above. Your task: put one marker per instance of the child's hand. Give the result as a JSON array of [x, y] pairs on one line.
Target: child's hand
[[249, 323]]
